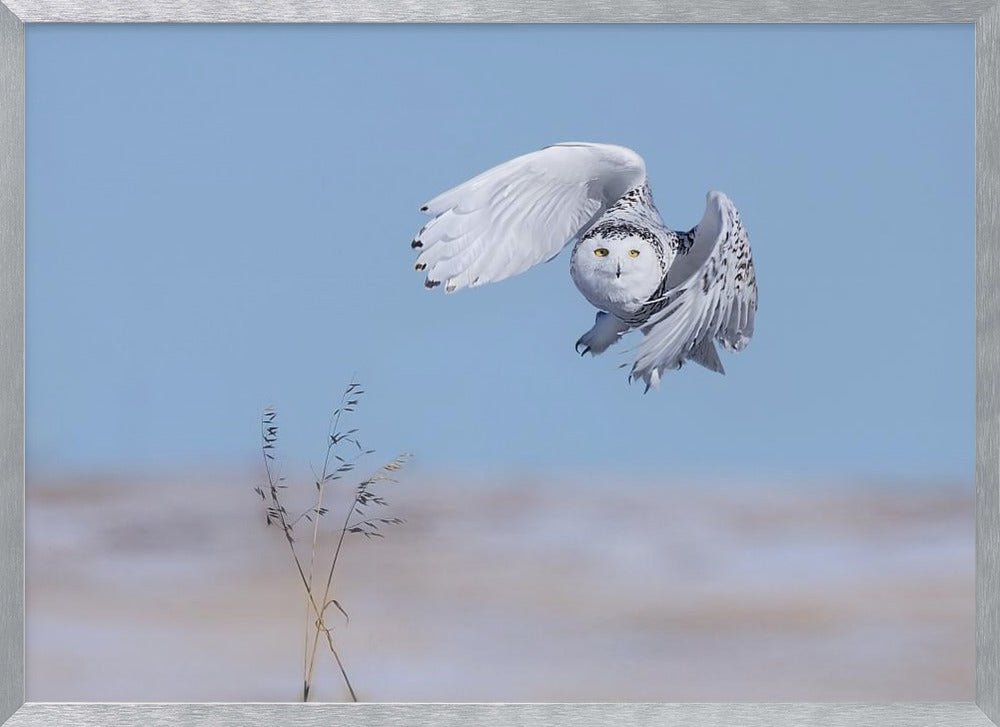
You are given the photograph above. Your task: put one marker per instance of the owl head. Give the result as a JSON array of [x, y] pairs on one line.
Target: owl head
[[617, 269]]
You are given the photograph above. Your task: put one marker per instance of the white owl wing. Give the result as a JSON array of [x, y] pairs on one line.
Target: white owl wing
[[711, 293], [522, 212]]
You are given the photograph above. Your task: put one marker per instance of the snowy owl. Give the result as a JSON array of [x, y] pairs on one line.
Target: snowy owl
[[683, 290]]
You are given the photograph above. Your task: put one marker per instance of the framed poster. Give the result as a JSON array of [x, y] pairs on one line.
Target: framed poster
[[222, 219]]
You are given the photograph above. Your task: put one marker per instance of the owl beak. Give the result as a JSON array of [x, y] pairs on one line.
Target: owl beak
[[619, 273]]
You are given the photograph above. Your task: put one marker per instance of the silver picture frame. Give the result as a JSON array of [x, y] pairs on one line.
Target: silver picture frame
[[14, 14]]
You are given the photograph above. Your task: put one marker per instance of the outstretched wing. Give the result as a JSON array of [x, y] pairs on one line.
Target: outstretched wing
[[711, 294], [522, 212]]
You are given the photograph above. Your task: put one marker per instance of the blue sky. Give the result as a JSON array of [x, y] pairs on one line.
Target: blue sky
[[218, 219]]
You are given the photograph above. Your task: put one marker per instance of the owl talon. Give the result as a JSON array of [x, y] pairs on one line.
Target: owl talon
[[606, 331]]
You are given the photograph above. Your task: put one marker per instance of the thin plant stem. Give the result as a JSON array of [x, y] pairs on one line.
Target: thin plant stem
[[309, 655], [367, 526], [320, 623], [306, 683], [332, 440], [336, 552]]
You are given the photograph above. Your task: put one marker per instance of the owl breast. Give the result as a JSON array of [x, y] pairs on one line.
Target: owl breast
[[618, 267]]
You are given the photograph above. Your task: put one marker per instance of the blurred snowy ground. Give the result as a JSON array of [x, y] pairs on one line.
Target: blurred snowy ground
[[510, 588]]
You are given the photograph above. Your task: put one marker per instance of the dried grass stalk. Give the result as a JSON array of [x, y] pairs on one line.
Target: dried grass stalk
[[343, 453]]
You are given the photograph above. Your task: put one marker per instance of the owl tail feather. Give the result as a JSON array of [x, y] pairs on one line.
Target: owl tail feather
[[706, 354]]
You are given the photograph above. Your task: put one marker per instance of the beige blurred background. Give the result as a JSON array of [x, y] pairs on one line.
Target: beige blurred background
[[509, 588]]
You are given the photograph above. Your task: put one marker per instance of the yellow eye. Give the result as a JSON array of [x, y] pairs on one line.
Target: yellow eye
[[633, 253], [601, 252]]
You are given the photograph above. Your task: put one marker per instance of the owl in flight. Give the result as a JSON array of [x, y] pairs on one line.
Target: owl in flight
[[683, 290]]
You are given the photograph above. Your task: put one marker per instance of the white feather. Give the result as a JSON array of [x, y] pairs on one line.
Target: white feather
[[522, 212], [711, 293]]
